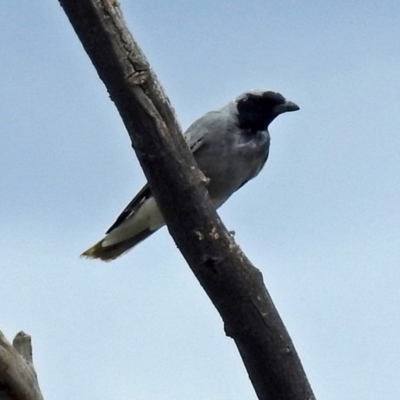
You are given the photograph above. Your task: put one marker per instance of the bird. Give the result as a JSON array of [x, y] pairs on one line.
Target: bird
[[230, 145]]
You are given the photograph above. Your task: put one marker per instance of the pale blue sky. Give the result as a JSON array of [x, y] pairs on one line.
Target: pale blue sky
[[322, 221]]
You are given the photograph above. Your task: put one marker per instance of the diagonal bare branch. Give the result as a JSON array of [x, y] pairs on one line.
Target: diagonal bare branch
[[233, 284]]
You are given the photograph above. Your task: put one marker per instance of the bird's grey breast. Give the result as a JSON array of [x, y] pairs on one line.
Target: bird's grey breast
[[234, 159]]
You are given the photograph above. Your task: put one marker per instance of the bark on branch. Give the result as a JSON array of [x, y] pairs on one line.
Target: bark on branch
[[18, 379], [233, 284]]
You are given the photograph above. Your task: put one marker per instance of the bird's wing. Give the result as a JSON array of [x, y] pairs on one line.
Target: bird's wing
[[132, 207], [195, 137], [200, 131]]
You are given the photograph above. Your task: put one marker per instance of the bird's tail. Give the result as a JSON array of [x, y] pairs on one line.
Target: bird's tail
[[111, 252]]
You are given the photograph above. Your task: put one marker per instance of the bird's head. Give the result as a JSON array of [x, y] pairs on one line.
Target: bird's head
[[257, 109]]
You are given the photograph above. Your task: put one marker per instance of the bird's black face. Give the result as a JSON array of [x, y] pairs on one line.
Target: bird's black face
[[256, 110]]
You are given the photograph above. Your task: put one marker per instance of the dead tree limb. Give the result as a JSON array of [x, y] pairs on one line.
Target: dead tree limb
[[233, 284], [18, 379]]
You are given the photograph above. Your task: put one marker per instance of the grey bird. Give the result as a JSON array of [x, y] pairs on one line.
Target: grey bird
[[230, 146]]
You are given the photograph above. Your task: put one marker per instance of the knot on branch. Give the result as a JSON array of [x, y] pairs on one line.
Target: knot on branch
[[140, 77]]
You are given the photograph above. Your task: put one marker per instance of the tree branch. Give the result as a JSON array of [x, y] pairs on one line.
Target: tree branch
[[233, 284], [18, 379]]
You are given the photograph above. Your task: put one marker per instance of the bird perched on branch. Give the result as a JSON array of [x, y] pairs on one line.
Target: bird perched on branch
[[230, 146]]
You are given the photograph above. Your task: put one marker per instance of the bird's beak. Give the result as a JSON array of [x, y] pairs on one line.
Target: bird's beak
[[286, 106]]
